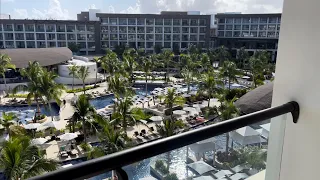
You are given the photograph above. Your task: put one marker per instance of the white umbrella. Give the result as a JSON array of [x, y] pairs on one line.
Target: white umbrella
[[204, 178], [32, 126], [68, 136], [245, 77], [246, 136], [67, 165], [222, 174], [156, 118], [53, 124], [179, 112], [177, 86], [199, 105], [38, 141], [158, 89], [201, 167], [238, 176], [186, 95], [189, 109], [144, 121]]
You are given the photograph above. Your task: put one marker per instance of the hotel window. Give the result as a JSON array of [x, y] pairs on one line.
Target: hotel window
[[253, 34], [185, 30], [50, 28], [122, 37], [254, 27], [31, 44], [9, 44], [167, 29], [168, 22], [61, 28], [140, 37], [71, 37], [272, 20], [177, 22], [149, 45], [262, 34], [113, 44], [8, 36], [113, 21], [202, 22], [194, 22], [141, 21], [221, 33], [132, 21], [245, 27], [90, 37], [228, 33], [61, 36], [185, 37], [62, 44], [278, 27], [70, 28], [81, 37], [51, 37], [105, 37], [149, 37], [193, 30], [132, 37], [114, 37], [114, 29], [222, 20], [229, 20], [132, 29], [272, 27], [158, 29], [262, 27], [167, 44], [104, 21], [150, 21], [237, 20], [167, 37], [40, 36], [123, 29], [202, 30], [150, 30], [41, 44], [8, 27], [245, 34], [159, 22], [221, 27], [18, 27], [245, 20], [159, 37], [81, 28], [105, 44], [51, 44], [176, 37], [141, 30], [176, 30], [202, 38], [122, 21], [20, 44], [90, 28], [185, 22], [254, 20], [19, 36], [263, 20], [236, 34], [272, 34], [237, 27], [193, 38]]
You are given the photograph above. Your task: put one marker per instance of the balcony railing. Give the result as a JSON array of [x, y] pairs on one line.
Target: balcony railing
[[117, 160]]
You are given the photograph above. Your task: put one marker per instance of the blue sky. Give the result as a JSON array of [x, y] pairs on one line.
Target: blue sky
[[67, 9]]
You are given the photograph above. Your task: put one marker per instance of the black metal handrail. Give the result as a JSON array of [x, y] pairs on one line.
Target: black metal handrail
[[117, 160]]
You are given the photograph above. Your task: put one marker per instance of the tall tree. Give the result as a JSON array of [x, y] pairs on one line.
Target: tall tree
[[157, 49], [205, 61], [227, 110], [118, 85], [96, 60], [110, 63], [171, 99], [74, 47], [130, 63], [229, 71], [167, 56], [222, 54], [243, 58], [209, 84], [83, 74], [50, 89], [5, 63], [34, 73], [257, 64], [146, 67], [83, 110], [21, 160], [168, 128], [7, 120], [73, 70], [187, 76]]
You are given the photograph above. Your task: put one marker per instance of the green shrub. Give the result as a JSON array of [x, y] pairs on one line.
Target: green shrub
[[159, 164], [85, 147], [235, 93], [161, 167], [42, 116], [171, 176], [81, 89], [17, 95]]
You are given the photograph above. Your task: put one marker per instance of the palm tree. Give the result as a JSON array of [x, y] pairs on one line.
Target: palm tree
[[227, 110], [83, 74], [187, 76], [168, 128], [208, 84], [5, 63], [130, 64], [171, 98], [257, 64], [167, 56], [205, 61], [82, 110], [21, 160], [50, 89], [73, 72], [222, 54], [146, 67], [229, 71], [109, 63], [34, 74], [243, 57], [118, 85], [7, 120], [96, 60]]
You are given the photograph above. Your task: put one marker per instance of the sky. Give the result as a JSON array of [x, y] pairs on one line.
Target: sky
[[68, 9]]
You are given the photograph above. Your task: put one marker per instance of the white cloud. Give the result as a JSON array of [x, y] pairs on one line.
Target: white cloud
[[92, 6], [208, 6], [54, 11]]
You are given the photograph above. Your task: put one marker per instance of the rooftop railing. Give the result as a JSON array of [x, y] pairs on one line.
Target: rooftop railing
[[126, 157]]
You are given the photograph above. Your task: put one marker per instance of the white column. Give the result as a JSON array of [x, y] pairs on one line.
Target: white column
[[297, 156]]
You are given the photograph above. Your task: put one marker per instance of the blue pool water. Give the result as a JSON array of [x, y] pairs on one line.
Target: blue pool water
[[44, 110], [102, 102]]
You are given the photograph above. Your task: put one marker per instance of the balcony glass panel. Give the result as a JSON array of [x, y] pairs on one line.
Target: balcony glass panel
[[150, 21], [51, 37], [50, 28], [245, 27], [236, 34], [176, 30], [271, 27], [81, 37], [105, 44], [141, 45], [141, 21], [222, 20], [8, 27], [61, 37], [132, 29], [18, 27], [272, 34], [262, 27], [81, 28], [31, 44], [185, 22], [150, 30], [9, 44], [158, 29], [20, 44], [237, 20], [82, 45], [113, 36], [1, 37], [254, 27], [193, 38], [185, 30], [237, 27], [193, 22], [113, 44], [253, 34], [141, 30], [278, 27], [202, 22], [176, 37], [167, 37], [254, 20], [40, 36], [91, 45], [122, 37], [19, 36], [113, 21], [168, 22], [263, 20], [202, 38], [228, 33], [113, 29], [159, 22], [185, 37], [71, 28], [245, 20], [229, 20], [41, 44], [262, 34], [167, 44], [104, 21], [149, 45], [159, 37], [273, 20], [90, 28], [193, 30], [221, 27], [245, 34], [51, 44], [123, 21], [62, 44], [104, 37], [141, 37], [61, 28], [122, 29], [8, 36], [90, 37], [221, 33], [167, 29], [71, 37], [177, 22], [132, 21]]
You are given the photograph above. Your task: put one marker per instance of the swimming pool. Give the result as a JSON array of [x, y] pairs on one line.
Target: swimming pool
[[102, 102], [44, 110]]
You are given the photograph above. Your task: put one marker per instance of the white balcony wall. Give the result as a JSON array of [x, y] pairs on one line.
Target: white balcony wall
[[293, 152]]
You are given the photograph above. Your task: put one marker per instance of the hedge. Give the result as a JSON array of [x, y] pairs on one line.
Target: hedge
[[81, 89]]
